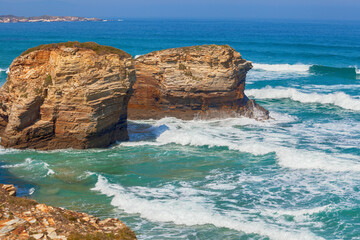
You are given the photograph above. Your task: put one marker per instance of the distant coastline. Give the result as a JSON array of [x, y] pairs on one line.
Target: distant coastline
[[46, 18]]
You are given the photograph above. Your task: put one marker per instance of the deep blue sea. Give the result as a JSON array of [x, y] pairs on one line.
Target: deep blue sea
[[296, 176]]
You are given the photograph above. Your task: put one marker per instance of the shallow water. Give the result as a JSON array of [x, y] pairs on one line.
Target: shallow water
[[294, 177]]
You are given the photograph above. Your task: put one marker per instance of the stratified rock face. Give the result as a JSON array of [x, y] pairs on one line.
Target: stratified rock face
[[200, 81], [23, 218], [67, 95]]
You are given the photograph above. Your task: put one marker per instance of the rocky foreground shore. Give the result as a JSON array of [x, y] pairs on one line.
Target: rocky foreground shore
[[22, 218]]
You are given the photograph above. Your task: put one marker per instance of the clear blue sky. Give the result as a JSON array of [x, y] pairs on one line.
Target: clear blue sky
[[273, 9]]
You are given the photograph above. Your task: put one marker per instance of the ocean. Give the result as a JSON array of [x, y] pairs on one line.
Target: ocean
[[296, 176]]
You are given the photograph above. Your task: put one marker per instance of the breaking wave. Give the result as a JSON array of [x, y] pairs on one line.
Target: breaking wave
[[226, 134], [280, 71], [285, 68], [185, 206], [31, 164], [4, 70], [338, 98]]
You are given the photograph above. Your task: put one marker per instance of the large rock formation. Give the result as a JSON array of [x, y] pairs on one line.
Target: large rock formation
[[23, 218], [200, 81], [66, 95]]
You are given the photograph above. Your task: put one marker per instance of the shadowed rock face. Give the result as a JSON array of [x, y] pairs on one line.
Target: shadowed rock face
[[201, 81], [67, 95]]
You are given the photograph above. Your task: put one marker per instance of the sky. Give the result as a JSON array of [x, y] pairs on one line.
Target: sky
[[188, 9]]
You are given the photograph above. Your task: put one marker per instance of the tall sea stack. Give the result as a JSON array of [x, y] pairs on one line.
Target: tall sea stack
[[66, 95], [200, 81]]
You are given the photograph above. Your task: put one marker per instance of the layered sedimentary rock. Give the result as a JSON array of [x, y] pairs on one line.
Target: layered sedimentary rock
[[22, 218], [200, 81], [66, 95]]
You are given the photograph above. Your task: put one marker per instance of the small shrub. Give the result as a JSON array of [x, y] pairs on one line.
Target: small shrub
[[72, 218], [188, 73], [23, 89], [99, 49], [182, 66], [197, 78], [48, 80], [38, 91]]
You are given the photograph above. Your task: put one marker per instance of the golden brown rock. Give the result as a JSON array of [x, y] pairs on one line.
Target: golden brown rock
[[22, 218], [66, 95], [200, 81]]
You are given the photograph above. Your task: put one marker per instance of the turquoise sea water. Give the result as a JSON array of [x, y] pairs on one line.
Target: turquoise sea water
[[294, 177]]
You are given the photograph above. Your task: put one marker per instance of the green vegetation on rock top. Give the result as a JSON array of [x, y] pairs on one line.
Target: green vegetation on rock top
[[99, 49]]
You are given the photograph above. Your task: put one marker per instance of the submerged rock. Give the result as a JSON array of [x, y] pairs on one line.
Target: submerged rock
[[201, 81], [22, 218], [66, 95]]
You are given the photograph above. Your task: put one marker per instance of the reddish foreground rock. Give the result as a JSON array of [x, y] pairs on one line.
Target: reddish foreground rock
[[201, 81], [66, 95], [22, 218]]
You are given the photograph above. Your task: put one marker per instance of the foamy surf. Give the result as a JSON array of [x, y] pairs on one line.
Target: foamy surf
[[31, 165], [6, 70], [265, 72], [229, 134], [357, 70], [26, 163], [262, 71], [339, 99], [190, 210], [316, 160], [283, 68]]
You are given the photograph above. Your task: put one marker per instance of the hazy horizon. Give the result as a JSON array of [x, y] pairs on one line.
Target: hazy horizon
[[186, 9]]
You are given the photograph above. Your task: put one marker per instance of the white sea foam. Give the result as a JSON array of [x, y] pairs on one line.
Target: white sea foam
[[26, 163], [330, 87], [264, 72], [31, 164], [284, 68], [228, 133], [190, 210], [338, 98], [136, 56], [357, 70], [4, 70], [304, 159], [31, 191], [298, 212], [220, 186], [140, 143], [50, 171]]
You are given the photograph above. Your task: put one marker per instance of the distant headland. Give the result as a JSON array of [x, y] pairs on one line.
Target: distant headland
[[45, 18]]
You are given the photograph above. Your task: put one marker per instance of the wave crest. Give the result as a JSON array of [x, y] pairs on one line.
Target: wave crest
[[4, 70], [339, 99], [262, 71]]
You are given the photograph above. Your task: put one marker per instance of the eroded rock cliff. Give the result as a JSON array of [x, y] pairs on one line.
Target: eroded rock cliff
[[66, 95], [22, 219], [201, 81]]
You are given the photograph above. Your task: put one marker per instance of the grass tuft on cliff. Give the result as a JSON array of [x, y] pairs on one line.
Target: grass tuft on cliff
[[99, 49]]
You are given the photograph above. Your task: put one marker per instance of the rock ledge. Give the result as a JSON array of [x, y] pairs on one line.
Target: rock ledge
[[22, 218]]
